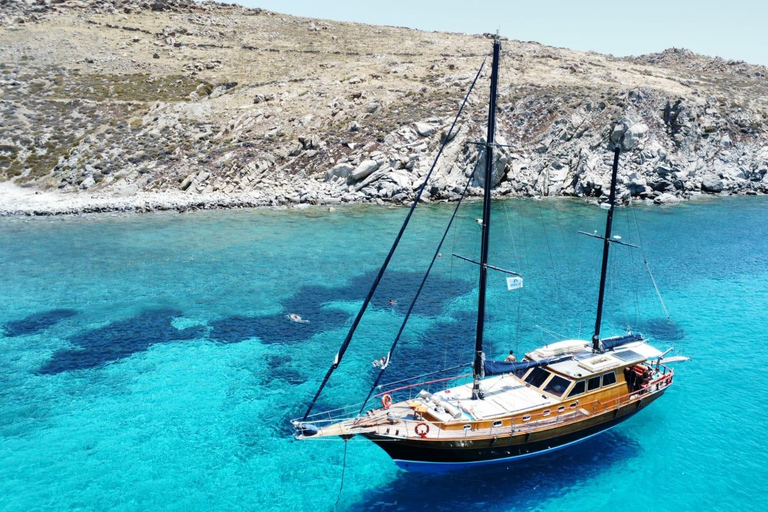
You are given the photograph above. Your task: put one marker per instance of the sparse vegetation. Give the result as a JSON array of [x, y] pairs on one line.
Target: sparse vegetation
[[156, 99]]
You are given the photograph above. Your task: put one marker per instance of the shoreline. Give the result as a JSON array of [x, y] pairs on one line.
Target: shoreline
[[17, 201]]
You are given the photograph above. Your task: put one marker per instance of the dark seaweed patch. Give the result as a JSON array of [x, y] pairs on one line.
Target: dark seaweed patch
[[310, 302], [280, 369], [37, 322], [119, 340], [443, 345]]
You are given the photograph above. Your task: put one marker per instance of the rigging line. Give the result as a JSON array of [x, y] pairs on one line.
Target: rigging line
[[561, 274], [512, 238], [418, 292], [648, 267], [633, 260], [658, 293], [343, 470], [558, 291], [356, 322], [519, 266], [456, 236], [423, 375], [552, 333]]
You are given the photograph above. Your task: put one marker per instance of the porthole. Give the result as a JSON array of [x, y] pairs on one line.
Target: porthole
[[573, 405], [527, 417], [467, 427], [497, 423], [561, 408], [546, 413]]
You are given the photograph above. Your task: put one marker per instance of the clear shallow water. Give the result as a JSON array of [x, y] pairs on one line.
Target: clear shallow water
[[146, 361]]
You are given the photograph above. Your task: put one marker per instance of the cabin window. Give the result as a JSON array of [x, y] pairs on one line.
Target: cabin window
[[561, 409], [577, 389], [593, 383], [546, 412], [497, 423], [537, 377], [527, 417], [557, 386], [609, 378], [467, 427]]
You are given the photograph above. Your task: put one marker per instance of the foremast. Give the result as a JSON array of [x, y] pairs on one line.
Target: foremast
[[479, 360]]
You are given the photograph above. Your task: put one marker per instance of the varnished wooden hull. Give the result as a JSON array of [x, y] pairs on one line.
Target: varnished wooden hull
[[446, 455]]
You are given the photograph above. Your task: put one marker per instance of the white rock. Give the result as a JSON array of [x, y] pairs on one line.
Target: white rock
[[364, 170], [425, 129], [634, 134]]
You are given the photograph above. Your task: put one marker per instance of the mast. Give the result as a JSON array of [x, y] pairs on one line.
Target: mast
[[479, 356], [606, 249]]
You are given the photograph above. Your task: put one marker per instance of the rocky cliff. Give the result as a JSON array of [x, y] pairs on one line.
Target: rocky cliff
[[224, 105]]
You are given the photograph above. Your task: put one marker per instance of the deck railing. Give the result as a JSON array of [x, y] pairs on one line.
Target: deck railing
[[520, 422]]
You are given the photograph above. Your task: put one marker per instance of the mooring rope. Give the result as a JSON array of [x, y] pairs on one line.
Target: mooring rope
[[343, 471]]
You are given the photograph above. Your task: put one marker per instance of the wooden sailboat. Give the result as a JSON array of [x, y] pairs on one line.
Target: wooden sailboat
[[558, 395]]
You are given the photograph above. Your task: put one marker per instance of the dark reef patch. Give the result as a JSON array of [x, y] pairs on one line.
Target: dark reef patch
[[118, 340], [37, 322]]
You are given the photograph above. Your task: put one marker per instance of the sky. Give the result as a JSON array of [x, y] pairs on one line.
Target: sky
[[731, 29]]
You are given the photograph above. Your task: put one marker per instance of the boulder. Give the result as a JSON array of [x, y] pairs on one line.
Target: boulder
[[339, 171], [364, 170], [88, 183], [713, 184], [634, 135], [628, 132], [425, 129], [666, 198]]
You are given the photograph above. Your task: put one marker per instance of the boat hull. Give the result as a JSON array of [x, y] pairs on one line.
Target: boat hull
[[450, 455]]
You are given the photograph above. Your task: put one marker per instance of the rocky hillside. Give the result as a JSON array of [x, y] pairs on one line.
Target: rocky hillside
[[129, 97]]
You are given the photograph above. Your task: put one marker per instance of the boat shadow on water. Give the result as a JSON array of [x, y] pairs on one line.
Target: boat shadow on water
[[518, 485], [662, 329]]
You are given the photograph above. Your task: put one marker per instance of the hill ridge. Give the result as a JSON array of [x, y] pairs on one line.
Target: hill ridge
[[223, 105]]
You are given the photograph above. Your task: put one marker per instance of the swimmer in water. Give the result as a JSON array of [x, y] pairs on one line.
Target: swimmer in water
[[296, 318]]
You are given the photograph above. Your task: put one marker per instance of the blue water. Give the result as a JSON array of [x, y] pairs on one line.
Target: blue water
[[146, 362]]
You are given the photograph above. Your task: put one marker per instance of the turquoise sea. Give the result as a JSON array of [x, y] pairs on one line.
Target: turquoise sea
[[146, 361]]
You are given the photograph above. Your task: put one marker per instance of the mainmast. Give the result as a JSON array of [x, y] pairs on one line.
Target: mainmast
[[479, 356], [606, 249]]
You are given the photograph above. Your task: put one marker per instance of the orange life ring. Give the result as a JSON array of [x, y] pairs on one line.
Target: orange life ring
[[386, 401], [422, 429]]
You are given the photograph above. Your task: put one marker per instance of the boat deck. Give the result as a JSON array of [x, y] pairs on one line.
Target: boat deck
[[504, 394]]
